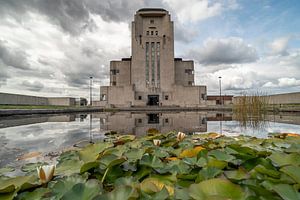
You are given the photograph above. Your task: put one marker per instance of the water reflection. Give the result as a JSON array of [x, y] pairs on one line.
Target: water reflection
[[53, 133]]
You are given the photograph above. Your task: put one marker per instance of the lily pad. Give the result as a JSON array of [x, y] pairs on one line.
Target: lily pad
[[220, 189]]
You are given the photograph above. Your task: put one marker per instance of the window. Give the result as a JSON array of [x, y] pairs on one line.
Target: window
[[190, 83], [147, 62], [147, 32], [167, 97], [103, 97], [140, 121], [152, 21], [158, 61], [189, 71], [164, 39], [139, 97], [151, 32], [156, 32], [152, 62], [140, 39], [203, 96], [114, 71], [114, 83], [166, 120]]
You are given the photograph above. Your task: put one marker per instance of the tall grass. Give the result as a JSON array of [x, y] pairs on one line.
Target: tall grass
[[251, 109]]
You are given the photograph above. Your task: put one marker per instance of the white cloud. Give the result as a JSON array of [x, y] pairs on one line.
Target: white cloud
[[279, 45], [224, 51]]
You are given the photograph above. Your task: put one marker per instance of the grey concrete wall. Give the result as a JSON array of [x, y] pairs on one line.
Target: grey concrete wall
[[17, 99], [61, 101], [287, 98]]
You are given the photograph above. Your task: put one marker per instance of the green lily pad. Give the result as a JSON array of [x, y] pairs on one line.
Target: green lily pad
[[38, 193], [31, 167], [68, 167], [87, 190], [119, 193], [282, 159], [5, 170], [17, 183], [220, 155], [91, 152], [220, 189], [293, 172], [286, 192]]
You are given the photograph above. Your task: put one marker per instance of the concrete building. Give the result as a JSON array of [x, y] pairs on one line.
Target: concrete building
[[18, 99], [152, 76]]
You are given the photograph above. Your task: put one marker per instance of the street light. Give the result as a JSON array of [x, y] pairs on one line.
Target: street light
[[91, 80], [220, 84]]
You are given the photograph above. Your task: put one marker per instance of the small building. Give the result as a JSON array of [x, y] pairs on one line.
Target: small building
[[219, 100], [81, 102], [152, 76]]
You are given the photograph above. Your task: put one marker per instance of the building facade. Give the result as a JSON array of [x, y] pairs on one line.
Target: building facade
[[152, 76]]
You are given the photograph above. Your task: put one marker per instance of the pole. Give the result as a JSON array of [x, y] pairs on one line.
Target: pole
[[220, 84], [91, 100]]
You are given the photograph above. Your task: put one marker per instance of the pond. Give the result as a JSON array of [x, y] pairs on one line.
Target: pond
[[43, 137]]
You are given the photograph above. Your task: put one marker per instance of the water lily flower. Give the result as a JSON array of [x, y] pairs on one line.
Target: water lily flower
[[45, 173], [180, 136], [156, 142]]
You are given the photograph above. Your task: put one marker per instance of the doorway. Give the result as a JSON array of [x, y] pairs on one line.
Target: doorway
[[153, 100]]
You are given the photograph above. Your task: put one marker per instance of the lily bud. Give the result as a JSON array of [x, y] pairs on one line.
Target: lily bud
[[180, 136], [156, 142], [45, 173]]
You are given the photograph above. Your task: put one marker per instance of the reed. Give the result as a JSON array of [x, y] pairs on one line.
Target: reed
[[251, 109]]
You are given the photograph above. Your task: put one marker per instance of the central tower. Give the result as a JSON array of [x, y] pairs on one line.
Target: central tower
[[152, 51], [152, 76]]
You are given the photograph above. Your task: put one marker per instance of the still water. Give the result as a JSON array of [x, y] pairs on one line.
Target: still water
[[43, 137]]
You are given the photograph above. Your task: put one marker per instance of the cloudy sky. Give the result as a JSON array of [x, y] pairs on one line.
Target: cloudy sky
[[51, 47]]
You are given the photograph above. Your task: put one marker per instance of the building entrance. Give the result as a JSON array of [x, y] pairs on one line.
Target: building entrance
[[153, 100]]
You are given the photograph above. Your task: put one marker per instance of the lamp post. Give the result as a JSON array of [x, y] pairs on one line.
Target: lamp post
[[91, 100], [220, 84]]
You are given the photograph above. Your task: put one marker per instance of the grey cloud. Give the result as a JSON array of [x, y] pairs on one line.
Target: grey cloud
[[3, 76], [184, 34], [33, 86], [13, 57], [73, 16], [225, 51]]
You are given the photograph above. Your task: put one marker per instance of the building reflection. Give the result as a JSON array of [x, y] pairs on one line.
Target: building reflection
[[141, 123]]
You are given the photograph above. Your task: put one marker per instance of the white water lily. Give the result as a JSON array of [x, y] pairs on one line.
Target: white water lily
[[156, 142], [46, 173], [180, 136]]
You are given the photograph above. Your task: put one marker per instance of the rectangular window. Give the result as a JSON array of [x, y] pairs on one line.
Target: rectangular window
[[151, 32], [152, 62], [147, 32], [103, 97], [152, 21], [158, 61], [189, 71], [140, 98], [147, 62], [156, 32], [166, 97], [114, 83], [114, 71], [190, 83]]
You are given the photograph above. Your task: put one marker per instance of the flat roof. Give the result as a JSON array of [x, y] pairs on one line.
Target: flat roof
[[151, 9]]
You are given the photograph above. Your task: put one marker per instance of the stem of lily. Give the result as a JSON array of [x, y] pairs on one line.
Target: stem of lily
[[103, 178]]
